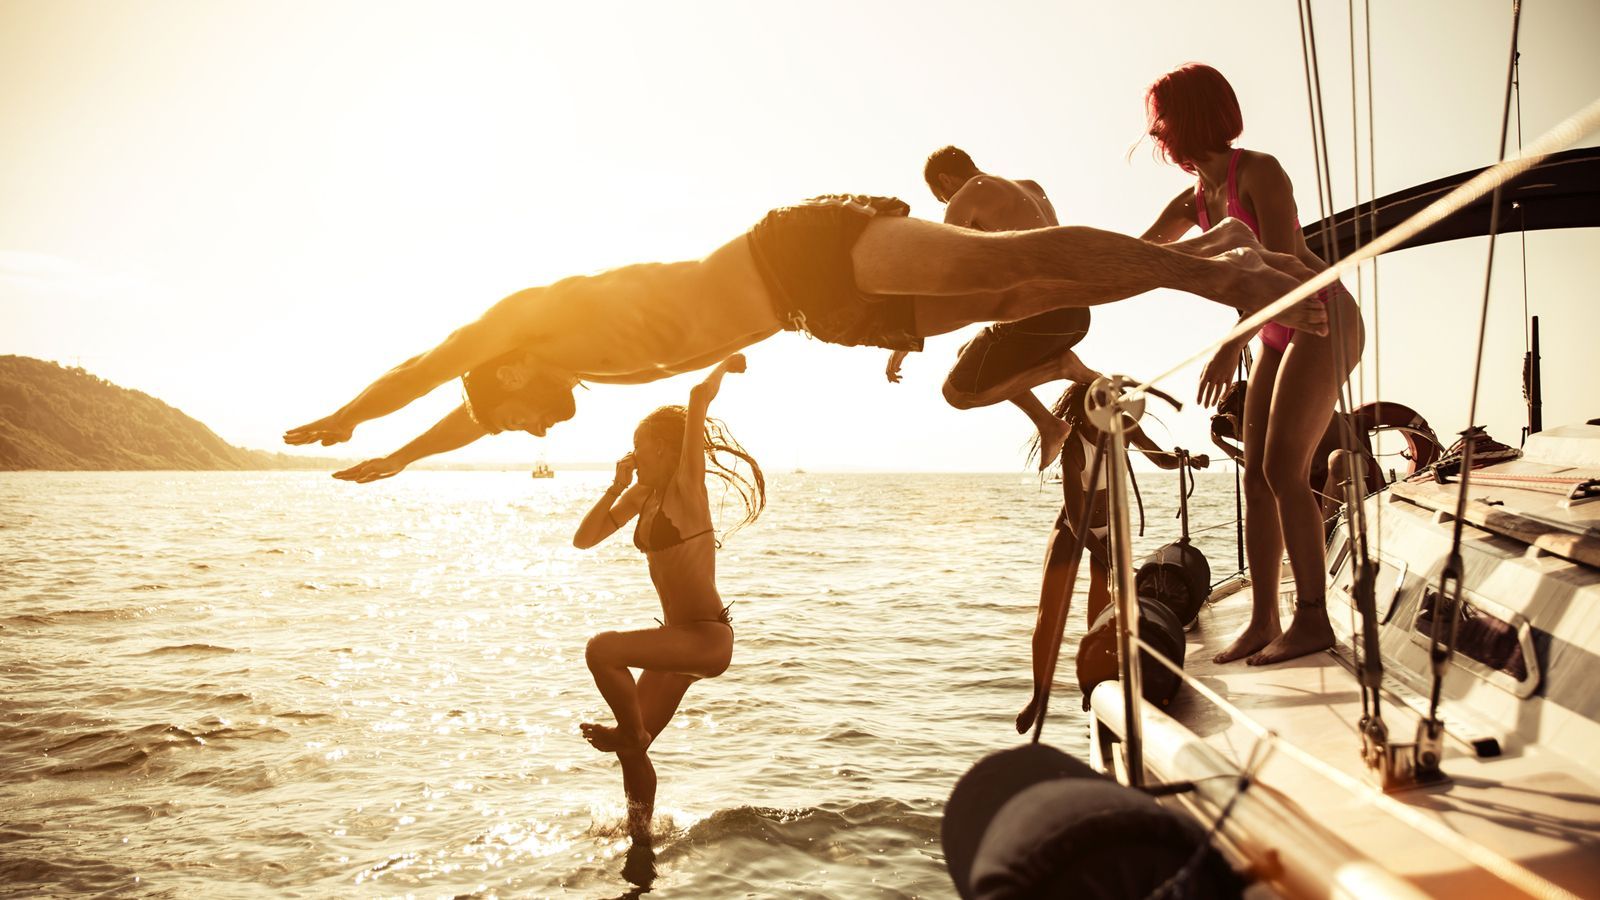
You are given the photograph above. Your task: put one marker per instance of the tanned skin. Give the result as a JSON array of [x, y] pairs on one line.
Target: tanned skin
[[1288, 404], [985, 202], [644, 322]]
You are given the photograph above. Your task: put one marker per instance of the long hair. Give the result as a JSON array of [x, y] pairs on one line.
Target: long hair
[[1069, 406], [1192, 111], [724, 456]]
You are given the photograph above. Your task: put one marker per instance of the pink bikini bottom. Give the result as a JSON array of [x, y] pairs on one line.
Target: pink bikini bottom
[[1277, 336]]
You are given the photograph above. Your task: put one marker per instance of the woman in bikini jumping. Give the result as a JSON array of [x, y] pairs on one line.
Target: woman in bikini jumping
[[1194, 118], [673, 448]]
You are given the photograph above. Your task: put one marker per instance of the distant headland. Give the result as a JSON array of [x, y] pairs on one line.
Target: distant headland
[[64, 418]]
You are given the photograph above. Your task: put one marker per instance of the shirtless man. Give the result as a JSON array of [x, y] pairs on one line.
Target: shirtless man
[[849, 270], [1006, 361]]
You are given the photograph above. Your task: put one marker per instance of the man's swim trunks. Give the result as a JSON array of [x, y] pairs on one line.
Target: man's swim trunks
[[1007, 349], [803, 254]]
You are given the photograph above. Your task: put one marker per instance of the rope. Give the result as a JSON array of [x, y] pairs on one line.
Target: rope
[[1355, 172], [1442, 647], [1180, 879], [1506, 870], [1354, 508], [1522, 225], [1372, 185], [1216, 526]]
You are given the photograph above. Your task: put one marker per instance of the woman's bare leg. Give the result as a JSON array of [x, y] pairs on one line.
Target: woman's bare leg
[[1099, 590], [1047, 632], [659, 695], [701, 649], [1309, 378], [1055, 597], [1263, 536]]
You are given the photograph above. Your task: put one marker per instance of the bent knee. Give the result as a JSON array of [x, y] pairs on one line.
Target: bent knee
[[1339, 464], [598, 651], [1284, 479], [719, 665], [1256, 482], [959, 398], [718, 660]]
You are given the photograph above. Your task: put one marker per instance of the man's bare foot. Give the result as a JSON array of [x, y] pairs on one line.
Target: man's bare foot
[[1052, 435], [1222, 237], [612, 740], [1249, 641], [1028, 714], [1251, 284], [1308, 633]]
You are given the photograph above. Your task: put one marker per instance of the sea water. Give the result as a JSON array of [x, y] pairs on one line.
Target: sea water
[[281, 685]]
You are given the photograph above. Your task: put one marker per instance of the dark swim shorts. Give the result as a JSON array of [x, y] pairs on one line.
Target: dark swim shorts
[[1006, 349], [803, 254]]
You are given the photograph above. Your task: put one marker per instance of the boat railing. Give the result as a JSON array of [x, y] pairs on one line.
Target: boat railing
[[1110, 706]]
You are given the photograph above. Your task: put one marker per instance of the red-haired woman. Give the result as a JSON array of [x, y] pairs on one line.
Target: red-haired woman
[[1194, 118], [673, 448]]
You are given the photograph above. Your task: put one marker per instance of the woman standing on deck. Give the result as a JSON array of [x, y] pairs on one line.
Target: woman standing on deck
[[1194, 118], [671, 450]]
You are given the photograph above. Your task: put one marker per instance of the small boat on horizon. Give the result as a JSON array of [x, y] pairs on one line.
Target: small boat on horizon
[[543, 470]]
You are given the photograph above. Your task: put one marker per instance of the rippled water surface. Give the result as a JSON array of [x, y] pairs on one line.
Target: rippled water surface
[[279, 685]]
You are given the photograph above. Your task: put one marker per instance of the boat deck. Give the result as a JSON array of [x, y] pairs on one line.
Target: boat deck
[[1530, 806]]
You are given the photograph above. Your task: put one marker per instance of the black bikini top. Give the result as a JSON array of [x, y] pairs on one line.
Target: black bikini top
[[660, 534]]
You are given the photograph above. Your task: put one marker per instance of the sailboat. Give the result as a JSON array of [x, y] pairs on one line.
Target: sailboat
[[542, 469], [1446, 746]]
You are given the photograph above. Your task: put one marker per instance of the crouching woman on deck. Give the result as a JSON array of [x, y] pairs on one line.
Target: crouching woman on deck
[[672, 450]]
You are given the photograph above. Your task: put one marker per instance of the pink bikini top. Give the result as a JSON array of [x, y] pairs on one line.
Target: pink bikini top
[[1235, 208]]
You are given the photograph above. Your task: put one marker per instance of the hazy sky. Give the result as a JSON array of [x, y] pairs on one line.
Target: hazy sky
[[250, 210]]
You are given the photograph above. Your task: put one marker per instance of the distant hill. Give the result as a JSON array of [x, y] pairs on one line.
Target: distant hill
[[54, 417]]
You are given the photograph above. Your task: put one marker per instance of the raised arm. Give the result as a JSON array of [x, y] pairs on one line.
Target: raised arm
[[692, 461], [495, 332], [452, 432], [619, 503]]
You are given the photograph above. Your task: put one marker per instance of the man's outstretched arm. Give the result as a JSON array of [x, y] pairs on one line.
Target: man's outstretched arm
[[494, 333], [454, 431]]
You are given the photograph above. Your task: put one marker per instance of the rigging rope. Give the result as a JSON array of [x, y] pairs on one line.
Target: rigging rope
[[1441, 649], [1361, 579], [1372, 185]]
